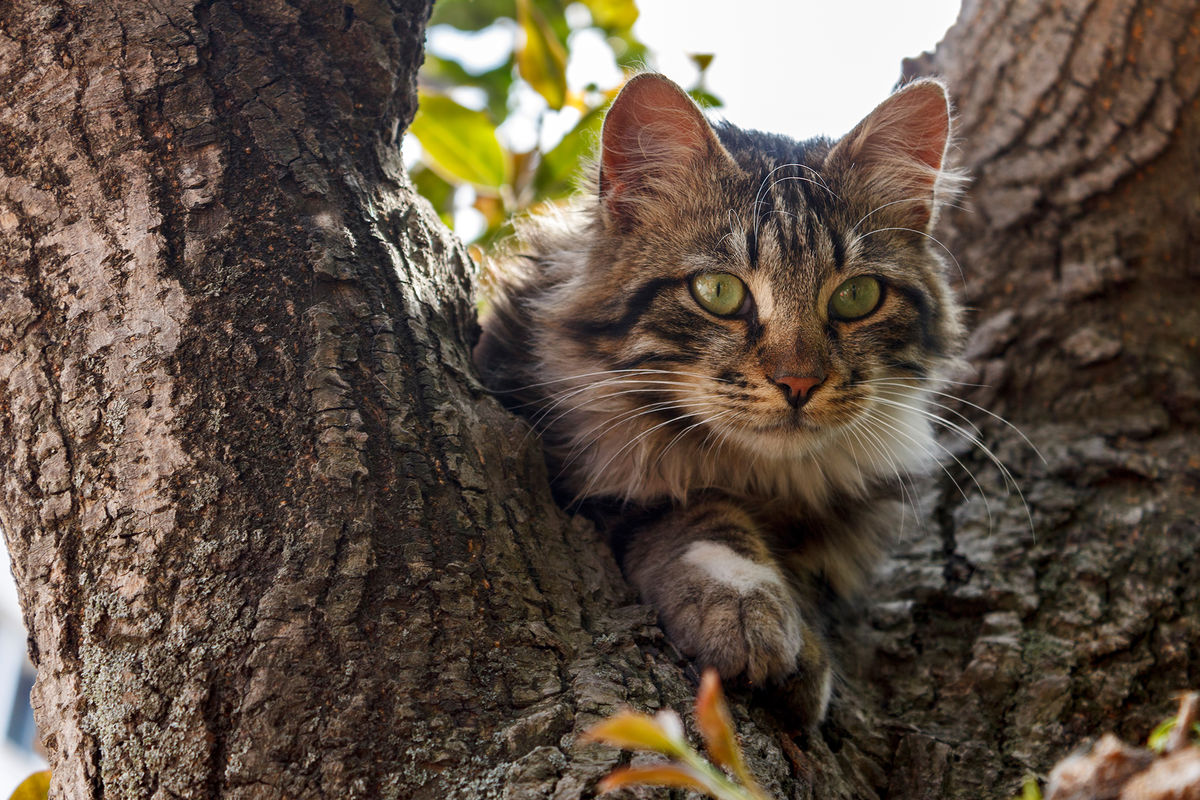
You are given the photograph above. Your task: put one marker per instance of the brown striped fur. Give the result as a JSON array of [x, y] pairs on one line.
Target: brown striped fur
[[744, 504]]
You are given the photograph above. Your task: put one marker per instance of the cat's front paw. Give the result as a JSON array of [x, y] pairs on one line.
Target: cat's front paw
[[732, 613]]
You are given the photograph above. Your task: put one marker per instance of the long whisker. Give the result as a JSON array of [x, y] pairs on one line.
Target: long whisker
[[632, 442], [866, 436], [919, 379], [922, 199], [1008, 478], [879, 419], [933, 239], [648, 387], [977, 407], [901, 397], [707, 421], [585, 439], [614, 372]]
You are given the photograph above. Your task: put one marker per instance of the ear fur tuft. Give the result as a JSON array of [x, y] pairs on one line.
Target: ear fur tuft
[[900, 148], [653, 134]]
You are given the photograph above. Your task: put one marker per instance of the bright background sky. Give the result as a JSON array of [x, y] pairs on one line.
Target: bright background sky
[[799, 67]]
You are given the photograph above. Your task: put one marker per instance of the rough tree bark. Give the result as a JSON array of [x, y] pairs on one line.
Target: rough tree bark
[[272, 540]]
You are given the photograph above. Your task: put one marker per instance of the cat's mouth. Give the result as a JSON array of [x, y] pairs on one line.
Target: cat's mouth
[[793, 419], [816, 417]]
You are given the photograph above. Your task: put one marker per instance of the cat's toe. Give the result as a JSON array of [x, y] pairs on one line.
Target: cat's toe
[[774, 636], [756, 634]]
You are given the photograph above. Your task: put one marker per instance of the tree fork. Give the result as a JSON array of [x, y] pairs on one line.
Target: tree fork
[[273, 540]]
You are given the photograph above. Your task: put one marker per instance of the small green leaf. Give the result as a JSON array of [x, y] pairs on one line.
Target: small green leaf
[[460, 142], [702, 60], [705, 98], [631, 54], [613, 15], [634, 731], [35, 787], [1158, 737], [541, 58], [470, 15], [444, 73], [716, 725], [437, 191], [671, 775], [556, 172], [1030, 790]]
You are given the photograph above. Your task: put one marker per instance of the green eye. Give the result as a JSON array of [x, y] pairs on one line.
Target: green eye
[[856, 298], [719, 292]]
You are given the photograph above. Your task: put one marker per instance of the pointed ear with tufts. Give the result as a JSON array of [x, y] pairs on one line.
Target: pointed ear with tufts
[[898, 151], [654, 135]]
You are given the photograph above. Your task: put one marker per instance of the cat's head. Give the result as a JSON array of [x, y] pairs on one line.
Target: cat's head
[[744, 290]]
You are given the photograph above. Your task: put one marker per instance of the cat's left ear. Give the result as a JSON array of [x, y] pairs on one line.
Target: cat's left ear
[[654, 139], [899, 151]]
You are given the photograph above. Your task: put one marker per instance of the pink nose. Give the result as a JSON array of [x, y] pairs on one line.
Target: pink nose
[[797, 388]]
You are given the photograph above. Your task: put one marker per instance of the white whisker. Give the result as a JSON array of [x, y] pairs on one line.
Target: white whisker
[[933, 239], [878, 419], [977, 407]]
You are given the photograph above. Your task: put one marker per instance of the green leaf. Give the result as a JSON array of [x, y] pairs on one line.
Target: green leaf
[[702, 61], [613, 15], [541, 58], [634, 731], [716, 726], [705, 98], [1030, 790], [555, 176], [470, 15], [460, 142], [443, 74], [35, 787], [1158, 737], [437, 191], [631, 54], [669, 775]]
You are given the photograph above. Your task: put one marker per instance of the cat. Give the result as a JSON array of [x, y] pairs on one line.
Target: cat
[[727, 344]]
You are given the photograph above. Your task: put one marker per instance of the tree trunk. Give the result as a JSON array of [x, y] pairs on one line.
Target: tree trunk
[[1080, 124], [273, 540]]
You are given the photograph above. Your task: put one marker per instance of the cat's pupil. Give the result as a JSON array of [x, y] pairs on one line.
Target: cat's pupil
[[856, 298], [721, 293]]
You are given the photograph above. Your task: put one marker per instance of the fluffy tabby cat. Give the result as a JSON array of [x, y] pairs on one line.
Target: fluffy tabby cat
[[727, 348]]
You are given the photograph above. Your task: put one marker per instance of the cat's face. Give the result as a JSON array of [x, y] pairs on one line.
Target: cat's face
[[747, 289]]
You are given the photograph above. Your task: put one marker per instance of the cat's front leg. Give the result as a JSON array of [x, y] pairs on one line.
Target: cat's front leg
[[724, 600]]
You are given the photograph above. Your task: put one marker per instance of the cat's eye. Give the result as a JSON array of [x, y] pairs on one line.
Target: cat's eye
[[856, 298], [719, 292]]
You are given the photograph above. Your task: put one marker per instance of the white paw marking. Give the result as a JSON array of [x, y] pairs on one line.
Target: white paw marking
[[722, 564]]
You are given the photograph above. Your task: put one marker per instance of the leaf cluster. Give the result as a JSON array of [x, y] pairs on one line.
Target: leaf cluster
[[686, 768], [463, 108]]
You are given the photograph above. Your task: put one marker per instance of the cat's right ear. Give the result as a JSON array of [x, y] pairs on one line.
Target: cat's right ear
[[654, 135], [899, 151]]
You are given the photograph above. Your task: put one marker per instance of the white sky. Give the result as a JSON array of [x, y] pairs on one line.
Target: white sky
[[798, 67]]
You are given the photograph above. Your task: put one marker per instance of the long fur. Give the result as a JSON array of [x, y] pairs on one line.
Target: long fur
[[645, 399]]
